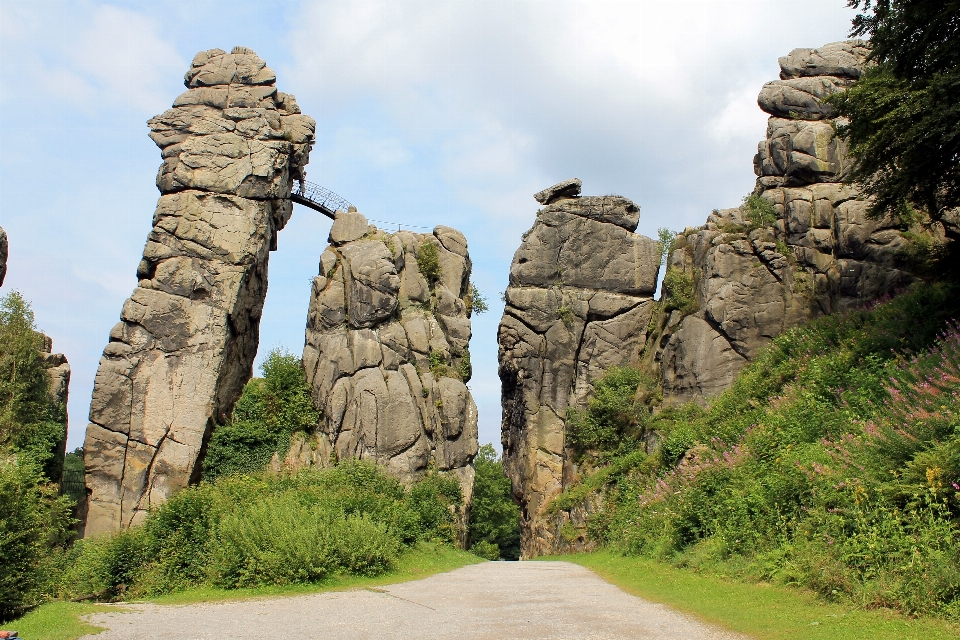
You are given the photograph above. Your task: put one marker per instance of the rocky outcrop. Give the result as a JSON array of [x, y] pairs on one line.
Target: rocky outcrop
[[387, 351], [578, 303], [58, 372], [802, 246], [3, 255], [184, 347]]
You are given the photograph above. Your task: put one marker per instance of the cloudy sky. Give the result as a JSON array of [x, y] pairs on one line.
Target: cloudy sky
[[429, 112]]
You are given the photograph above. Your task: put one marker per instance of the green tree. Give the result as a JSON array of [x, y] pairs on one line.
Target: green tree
[[30, 421], [494, 518], [271, 409], [904, 113]]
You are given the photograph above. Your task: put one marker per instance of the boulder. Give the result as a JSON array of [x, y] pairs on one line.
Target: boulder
[[566, 189]]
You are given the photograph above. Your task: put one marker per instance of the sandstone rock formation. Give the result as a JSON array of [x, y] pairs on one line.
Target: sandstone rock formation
[[3, 255], [184, 347], [580, 286], [387, 351], [818, 253], [579, 302]]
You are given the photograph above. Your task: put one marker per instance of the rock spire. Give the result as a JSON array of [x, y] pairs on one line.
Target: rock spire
[[184, 347], [579, 301], [387, 351]]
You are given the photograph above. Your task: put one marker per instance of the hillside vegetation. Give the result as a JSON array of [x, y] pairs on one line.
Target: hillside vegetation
[[833, 463]]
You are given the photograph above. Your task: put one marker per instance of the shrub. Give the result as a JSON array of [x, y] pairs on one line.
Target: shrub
[[494, 518], [428, 261], [475, 301], [678, 293], [612, 417], [438, 363], [270, 410], [35, 522], [251, 530], [758, 211]]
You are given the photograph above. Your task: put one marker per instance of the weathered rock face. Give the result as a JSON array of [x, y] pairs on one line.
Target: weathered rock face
[[579, 302], [387, 351], [819, 255], [184, 347]]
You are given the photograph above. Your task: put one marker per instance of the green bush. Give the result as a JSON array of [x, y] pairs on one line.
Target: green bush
[[613, 416], [270, 410], [263, 529], [475, 301], [428, 261], [494, 517], [678, 291], [34, 523], [759, 211]]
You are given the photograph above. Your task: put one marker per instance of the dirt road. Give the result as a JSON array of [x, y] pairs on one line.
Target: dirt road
[[496, 600]]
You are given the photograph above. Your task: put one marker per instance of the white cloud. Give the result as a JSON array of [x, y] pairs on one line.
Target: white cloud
[[89, 57]]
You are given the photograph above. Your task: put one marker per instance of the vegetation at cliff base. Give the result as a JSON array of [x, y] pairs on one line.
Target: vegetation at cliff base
[[35, 520], [494, 517], [265, 529], [833, 463], [269, 412]]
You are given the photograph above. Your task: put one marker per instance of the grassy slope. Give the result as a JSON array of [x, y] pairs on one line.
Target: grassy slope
[[759, 610], [62, 620]]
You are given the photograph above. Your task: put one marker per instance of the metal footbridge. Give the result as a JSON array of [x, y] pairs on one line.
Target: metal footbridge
[[317, 198]]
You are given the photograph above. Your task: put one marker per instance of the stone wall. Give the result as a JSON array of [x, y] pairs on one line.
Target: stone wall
[[387, 352], [820, 255], [184, 347], [579, 302]]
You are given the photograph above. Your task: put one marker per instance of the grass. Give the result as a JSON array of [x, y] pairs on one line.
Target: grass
[[62, 620], [58, 621], [760, 610]]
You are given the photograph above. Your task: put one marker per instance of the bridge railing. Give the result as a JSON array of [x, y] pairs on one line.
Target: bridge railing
[[317, 198]]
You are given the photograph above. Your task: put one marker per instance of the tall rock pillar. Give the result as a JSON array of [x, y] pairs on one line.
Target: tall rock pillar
[[184, 347], [578, 303], [387, 351]]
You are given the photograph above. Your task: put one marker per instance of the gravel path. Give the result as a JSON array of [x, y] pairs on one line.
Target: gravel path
[[498, 600]]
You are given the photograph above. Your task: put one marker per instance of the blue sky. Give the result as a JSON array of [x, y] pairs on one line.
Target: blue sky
[[442, 112]]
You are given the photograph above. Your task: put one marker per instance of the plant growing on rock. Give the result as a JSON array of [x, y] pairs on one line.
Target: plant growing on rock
[[428, 261], [678, 293], [475, 301], [759, 211], [665, 241]]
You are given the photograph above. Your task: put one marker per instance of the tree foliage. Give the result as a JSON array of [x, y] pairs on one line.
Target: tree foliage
[[30, 422], [270, 410], [904, 113], [494, 518]]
